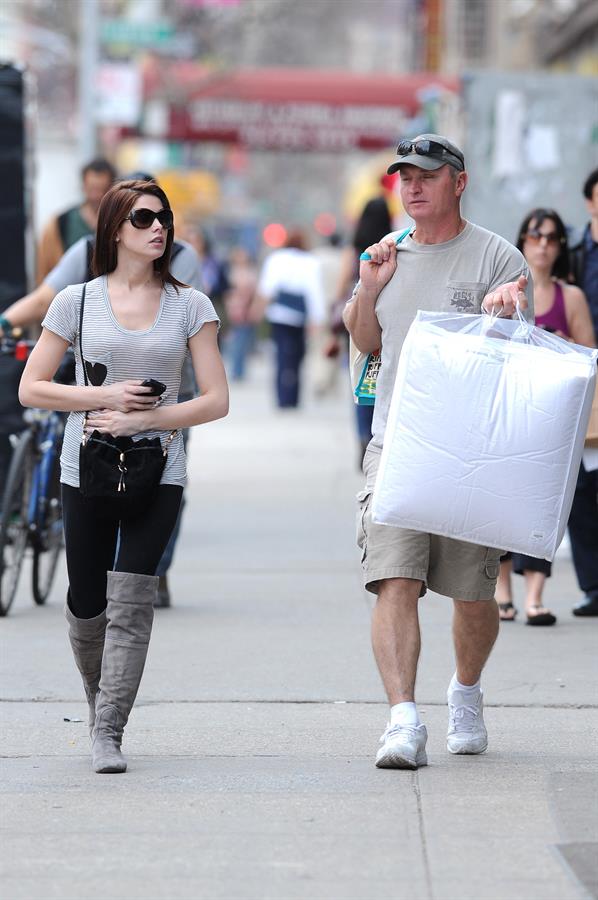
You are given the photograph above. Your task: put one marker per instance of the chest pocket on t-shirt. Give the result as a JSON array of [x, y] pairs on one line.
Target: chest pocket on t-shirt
[[465, 296], [97, 367]]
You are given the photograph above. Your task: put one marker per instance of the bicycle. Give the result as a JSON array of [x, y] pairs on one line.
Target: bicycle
[[31, 512]]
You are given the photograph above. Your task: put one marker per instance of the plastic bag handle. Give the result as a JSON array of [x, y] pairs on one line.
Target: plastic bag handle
[[494, 316]]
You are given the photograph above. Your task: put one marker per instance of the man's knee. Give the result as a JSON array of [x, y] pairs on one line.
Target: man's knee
[[399, 591], [484, 612], [474, 607]]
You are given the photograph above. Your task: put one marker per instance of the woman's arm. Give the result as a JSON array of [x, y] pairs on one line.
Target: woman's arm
[[209, 371], [37, 388], [210, 405], [578, 315]]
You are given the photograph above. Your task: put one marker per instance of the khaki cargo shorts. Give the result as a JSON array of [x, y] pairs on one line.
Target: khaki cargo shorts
[[454, 568]]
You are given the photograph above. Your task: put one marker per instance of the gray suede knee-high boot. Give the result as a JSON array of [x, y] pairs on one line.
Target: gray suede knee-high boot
[[87, 642], [130, 613]]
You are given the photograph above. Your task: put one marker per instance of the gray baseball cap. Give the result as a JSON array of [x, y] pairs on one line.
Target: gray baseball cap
[[428, 151]]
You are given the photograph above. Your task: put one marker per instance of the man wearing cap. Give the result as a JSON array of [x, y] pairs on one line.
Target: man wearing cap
[[445, 264]]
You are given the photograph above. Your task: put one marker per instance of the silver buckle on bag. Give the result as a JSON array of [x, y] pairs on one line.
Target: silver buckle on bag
[[123, 471]]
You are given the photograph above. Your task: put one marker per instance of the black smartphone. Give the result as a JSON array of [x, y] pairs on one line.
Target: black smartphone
[[157, 388]]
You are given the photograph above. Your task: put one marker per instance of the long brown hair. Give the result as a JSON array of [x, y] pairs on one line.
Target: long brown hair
[[116, 205]]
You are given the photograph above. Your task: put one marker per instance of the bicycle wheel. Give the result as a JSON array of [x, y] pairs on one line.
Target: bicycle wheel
[[14, 528], [49, 539]]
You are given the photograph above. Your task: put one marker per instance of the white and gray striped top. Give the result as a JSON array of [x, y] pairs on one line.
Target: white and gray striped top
[[157, 352]]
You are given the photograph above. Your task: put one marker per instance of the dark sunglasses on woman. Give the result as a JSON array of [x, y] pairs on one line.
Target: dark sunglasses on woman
[[145, 218], [536, 236]]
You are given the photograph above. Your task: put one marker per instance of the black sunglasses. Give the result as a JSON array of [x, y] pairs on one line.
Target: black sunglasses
[[425, 148], [145, 218]]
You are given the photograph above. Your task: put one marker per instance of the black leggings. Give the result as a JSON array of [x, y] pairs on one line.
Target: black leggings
[[91, 542]]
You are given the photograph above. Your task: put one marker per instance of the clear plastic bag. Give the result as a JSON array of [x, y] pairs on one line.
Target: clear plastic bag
[[485, 432]]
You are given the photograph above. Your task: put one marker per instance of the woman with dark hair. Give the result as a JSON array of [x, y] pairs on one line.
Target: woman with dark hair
[[374, 220], [374, 224], [561, 308], [137, 323]]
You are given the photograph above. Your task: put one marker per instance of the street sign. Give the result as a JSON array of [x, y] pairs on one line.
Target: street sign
[[137, 34]]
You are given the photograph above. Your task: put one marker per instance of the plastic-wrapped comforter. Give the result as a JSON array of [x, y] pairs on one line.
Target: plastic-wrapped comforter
[[485, 432]]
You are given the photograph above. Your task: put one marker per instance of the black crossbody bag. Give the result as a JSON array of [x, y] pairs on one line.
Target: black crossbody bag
[[120, 474]]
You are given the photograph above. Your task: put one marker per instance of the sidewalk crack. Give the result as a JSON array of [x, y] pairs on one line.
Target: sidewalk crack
[[422, 835]]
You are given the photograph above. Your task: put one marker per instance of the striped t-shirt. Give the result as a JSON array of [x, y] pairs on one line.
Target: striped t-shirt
[[114, 353]]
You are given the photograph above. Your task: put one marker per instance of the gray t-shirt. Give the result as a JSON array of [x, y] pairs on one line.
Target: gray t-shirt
[[185, 265], [450, 277], [114, 353]]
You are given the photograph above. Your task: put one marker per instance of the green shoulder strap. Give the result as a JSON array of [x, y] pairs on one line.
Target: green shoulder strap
[[365, 256]]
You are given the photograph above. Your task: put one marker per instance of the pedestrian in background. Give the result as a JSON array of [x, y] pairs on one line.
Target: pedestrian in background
[[239, 303], [213, 270], [445, 262], [65, 229], [138, 322], [291, 291], [562, 309], [583, 521], [374, 223]]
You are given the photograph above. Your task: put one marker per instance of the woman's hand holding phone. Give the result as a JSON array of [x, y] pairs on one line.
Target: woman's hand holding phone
[[128, 396]]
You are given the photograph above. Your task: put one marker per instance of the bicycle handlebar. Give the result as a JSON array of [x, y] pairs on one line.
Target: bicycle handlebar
[[17, 347]]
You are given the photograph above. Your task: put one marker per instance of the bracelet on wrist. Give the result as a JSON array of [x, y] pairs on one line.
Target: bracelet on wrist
[[5, 325]]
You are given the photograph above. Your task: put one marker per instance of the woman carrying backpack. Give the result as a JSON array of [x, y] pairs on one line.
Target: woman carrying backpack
[[133, 323]]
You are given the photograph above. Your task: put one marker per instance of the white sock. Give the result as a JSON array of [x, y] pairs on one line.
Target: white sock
[[470, 690], [404, 714]]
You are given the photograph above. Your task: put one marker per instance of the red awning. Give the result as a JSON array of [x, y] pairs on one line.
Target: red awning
[[283, 85], [290, 108]]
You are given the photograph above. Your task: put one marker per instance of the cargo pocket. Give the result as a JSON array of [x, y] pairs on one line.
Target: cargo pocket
[[492, 563], [363, 498]]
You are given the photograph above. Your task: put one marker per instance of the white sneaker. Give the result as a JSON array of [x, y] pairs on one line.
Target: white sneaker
[[466, 732], [404, 747]]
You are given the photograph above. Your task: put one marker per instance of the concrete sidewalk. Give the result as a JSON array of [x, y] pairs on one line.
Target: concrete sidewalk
[[251, 746]]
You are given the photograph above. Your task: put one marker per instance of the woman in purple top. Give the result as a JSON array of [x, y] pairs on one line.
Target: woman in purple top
[[563, 309], [559, 307]]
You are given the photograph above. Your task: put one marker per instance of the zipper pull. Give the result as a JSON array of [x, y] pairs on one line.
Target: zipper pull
[[122, 469]]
